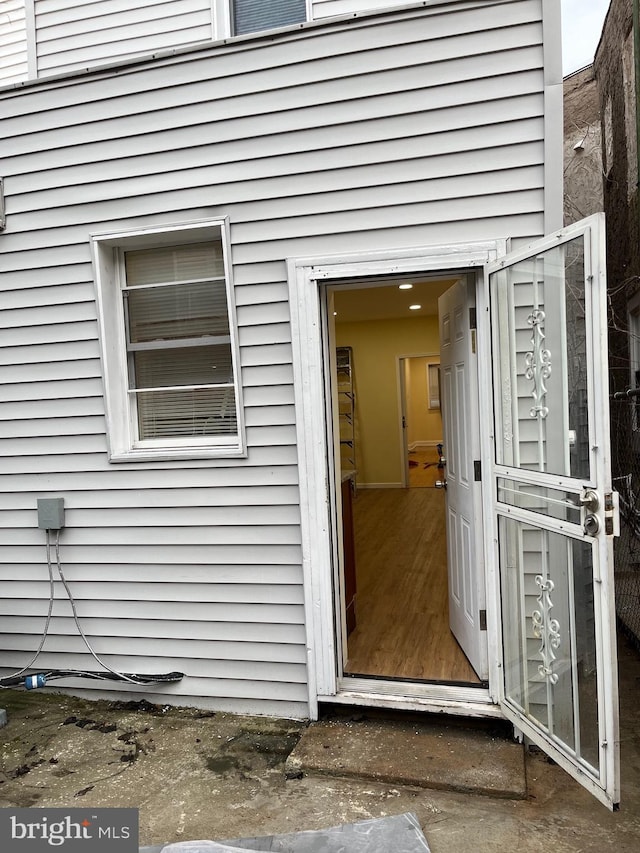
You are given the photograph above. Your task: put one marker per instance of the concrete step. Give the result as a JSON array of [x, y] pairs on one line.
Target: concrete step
[[406, 752]]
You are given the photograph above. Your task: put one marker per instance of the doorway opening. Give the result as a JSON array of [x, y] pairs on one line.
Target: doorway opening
[[388, 397]]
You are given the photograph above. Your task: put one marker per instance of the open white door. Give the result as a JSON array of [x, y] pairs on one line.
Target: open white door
[[460, 417], [554, 510]]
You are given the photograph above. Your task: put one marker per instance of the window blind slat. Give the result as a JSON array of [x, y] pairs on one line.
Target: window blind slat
[[177, 311], [250, 16], [189, 366], [174, 263], [186, 413]]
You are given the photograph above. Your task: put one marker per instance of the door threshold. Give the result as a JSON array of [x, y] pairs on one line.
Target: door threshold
[[415, 696], [472, 685]]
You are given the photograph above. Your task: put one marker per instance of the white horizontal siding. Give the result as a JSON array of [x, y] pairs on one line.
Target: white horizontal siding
[[160, 536], [226, 651], [68, 36], [329, 8], [13, 42], [199, 592], [252, 633], [424, 126], [87, 33]]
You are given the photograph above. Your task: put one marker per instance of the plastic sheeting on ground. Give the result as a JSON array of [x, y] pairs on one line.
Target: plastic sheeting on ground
[[399, 833]]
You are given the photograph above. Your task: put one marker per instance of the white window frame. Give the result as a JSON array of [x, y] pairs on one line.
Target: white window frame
[[433, 386], [107, 251]]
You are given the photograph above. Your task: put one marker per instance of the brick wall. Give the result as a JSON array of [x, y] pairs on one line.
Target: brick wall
[[614, 71], [582, 146]]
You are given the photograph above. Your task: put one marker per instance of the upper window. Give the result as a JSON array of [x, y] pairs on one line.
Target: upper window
[[250, 16], [168, 343]]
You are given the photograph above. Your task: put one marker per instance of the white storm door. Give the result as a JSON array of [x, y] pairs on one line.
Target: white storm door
[[555, 512], [460, 417]]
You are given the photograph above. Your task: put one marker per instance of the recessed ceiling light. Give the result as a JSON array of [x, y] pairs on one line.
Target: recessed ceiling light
[[414, 307], [406, 286]]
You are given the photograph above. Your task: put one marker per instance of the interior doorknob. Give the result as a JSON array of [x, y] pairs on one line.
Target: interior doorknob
[[441, 484]]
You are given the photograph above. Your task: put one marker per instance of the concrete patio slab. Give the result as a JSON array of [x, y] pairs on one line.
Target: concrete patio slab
[[412, 752]]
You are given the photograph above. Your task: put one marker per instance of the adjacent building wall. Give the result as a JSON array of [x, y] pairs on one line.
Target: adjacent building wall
[[614, 70], [582, 146], [425, 126], [615, 74]]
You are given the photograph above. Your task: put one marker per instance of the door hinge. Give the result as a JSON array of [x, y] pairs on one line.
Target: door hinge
[[611, 514], [483, 620], [477, 470], [473, 327]]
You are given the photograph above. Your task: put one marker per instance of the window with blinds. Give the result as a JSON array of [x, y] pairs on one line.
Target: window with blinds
[[178, 342], [177, 369], [250, 16]]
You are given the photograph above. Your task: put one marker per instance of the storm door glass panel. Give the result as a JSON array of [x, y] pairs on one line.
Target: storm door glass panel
[[542, 359], [549, 635]]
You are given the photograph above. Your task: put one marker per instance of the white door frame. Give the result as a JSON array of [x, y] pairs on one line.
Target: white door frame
[[320, 563], [404, 403]]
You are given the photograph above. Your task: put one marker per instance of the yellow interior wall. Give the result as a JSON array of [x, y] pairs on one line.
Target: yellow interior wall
[[425, 424], [376, 345]]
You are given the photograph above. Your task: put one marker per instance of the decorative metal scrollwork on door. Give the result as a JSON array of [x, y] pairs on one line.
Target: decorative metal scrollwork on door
[[547, 630], [538, 363]]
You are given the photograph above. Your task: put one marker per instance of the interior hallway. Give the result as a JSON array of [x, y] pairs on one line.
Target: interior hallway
[[402, 627], [423, 468]]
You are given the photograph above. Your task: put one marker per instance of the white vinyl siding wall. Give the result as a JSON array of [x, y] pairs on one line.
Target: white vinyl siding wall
[[13, 42], [418, 128], [67, 36], [332, 8], [78, 34]]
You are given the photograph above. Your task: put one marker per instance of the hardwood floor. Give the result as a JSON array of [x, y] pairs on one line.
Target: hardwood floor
[[423, 468], [402, 628]]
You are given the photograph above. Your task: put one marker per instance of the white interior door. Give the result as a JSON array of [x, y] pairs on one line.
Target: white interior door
[[555, 513], [460, 419]]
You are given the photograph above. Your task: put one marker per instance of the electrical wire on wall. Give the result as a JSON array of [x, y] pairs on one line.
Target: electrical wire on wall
[[39, 679]]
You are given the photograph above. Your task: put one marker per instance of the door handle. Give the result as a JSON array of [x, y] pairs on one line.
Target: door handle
[[441, 484], [590, 500]]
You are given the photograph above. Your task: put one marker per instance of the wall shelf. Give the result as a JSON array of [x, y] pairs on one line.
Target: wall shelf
[[346, 409]]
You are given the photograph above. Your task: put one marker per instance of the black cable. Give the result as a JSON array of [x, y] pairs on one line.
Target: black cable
[[53, 674], [138, 678]]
